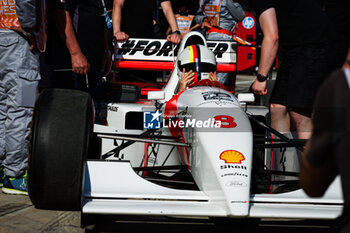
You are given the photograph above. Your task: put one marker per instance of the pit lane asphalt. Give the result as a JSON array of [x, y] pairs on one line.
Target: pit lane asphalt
[[17, 215]]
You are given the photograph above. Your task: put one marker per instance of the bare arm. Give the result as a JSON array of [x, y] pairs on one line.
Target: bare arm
[[116, 20], [169, 15], [195, 27], [268, 23], [80, 64], [269, 48], [26, 12]]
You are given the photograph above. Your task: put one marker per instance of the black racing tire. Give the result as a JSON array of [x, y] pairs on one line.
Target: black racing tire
[[61, 128]]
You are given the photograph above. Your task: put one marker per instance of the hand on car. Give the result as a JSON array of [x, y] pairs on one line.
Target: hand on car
[[121, 36], [174, 38]]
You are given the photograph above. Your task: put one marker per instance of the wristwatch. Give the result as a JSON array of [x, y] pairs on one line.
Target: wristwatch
[[261, 78], [347, 61], [177, 32]]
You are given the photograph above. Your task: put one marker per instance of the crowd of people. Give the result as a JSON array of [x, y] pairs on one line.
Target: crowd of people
[[310, 38]]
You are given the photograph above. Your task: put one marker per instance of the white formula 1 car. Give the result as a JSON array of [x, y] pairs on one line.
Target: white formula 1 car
[[192, 153]]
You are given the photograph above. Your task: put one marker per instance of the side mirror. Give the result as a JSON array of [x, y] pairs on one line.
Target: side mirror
[[156, 95], [246, 98]]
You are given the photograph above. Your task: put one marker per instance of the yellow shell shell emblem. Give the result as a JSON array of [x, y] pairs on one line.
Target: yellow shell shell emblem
[[232, 156]]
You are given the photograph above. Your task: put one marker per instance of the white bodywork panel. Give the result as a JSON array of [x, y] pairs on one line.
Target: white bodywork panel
[[137, 52], [134, 153], [130, 194], [219, 160]]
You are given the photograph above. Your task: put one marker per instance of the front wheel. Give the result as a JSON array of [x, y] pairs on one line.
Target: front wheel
[[61, 129]]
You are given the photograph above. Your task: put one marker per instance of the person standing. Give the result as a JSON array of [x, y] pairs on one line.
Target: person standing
[[133, 18], [219, 18], [78, 47], [184, 21], [299, 32], [327, 152], [303, 42], [19, 77]]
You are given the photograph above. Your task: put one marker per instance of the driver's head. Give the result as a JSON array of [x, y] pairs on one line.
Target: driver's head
[[197, 58]]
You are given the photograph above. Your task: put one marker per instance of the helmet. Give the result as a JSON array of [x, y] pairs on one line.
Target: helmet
[[197, 58]]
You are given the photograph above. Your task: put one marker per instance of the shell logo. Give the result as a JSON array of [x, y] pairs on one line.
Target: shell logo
[[232, 156]]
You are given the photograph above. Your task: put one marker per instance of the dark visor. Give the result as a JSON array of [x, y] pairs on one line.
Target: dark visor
[[198, 67]]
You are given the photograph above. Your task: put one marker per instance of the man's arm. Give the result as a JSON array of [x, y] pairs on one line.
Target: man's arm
[[80, 64], [26, 12], [268, 23], [169, 15], [116, 20]]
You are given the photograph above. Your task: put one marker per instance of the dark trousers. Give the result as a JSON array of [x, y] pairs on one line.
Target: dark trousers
[[91, 83]]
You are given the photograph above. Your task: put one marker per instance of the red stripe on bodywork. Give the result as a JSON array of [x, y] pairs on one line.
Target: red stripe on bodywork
[[145, 160], [170, 111], [165, 66], [271, 164]]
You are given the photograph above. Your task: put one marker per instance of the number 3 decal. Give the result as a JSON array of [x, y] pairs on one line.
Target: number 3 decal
[[226, 121]]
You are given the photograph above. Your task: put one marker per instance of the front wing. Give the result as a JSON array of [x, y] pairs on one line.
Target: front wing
[[112, 187]]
